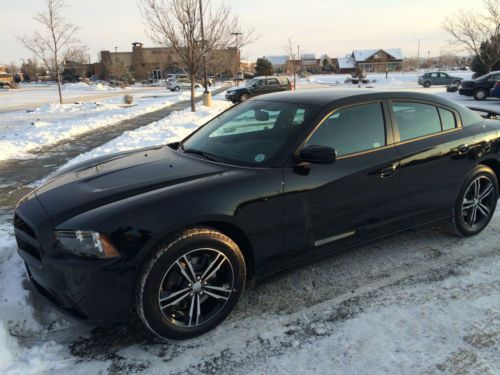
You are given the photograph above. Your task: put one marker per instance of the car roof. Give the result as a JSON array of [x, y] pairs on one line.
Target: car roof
[[331, 96]]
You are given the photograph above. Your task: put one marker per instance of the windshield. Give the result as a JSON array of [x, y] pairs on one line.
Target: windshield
[[251, 133]]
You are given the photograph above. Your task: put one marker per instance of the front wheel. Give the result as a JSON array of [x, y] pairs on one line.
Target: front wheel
[[190, 284], [427, 84], [244, 97], [480, 94], [177, 88], [476, 202]]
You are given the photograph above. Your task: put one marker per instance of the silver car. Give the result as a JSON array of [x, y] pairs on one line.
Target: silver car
[[181, 84]]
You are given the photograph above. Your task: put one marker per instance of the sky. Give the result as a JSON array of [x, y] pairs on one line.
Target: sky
[[332, 27]]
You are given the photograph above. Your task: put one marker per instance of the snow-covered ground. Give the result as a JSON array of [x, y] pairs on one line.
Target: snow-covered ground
[[423, 302], [23, 131]]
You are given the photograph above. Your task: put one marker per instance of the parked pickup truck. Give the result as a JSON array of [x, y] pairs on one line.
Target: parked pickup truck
[[258, 86]]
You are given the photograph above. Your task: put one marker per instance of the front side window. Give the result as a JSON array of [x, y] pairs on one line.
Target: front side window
[[353, 129], [251, 133], [416, 119]]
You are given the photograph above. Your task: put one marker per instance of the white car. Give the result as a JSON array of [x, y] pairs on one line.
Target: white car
[[181, 84]]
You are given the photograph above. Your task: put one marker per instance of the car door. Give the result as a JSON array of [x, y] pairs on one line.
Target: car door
[[273, 85], [259, 88], [335, 205], [444, 79], [435, 78], [435, 152]]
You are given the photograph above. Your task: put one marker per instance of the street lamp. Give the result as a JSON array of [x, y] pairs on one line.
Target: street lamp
[[237, 54], [207, 98]]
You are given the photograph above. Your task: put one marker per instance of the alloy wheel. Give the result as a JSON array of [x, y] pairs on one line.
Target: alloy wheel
[[196, 287], [478, 202]]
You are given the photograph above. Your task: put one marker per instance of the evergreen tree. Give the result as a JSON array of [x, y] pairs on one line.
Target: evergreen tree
[[263, 67]]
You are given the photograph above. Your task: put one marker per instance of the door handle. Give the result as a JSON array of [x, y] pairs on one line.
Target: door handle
[[463, 149], [388, 172]]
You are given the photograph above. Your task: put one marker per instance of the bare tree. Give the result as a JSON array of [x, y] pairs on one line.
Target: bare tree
[[177, 24], [478, 33], [290, 51], [53, 44]]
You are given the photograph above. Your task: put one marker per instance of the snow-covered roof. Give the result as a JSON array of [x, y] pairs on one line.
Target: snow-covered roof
[[363, 54], [278, 60], [308, 56], [346, 63]]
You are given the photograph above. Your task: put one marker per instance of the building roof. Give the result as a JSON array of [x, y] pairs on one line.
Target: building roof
[[308, 56], [278, 60], [363, 54], [346, 62]]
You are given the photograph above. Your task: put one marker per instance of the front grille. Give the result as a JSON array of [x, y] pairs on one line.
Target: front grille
[[21, 225], [28, 247], [26, 238]]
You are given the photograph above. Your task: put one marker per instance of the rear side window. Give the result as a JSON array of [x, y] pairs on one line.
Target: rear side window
[[272, 82], [353, 129], [416, 119], [447, 119]]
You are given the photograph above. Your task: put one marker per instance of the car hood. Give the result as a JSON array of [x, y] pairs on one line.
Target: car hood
[[107, 179]]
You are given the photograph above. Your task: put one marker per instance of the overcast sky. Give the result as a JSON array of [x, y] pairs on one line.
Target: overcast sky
[[334, 27]]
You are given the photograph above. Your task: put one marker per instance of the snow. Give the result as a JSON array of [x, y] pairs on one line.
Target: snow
[[23, 131], [363, 54], [346, 63], [421, 302]]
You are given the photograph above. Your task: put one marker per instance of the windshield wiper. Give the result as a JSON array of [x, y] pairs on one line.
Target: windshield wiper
[[206, 155]]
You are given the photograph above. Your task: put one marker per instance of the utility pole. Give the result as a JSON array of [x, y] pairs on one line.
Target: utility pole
[[237, 54], [207, 97], [298, 59]]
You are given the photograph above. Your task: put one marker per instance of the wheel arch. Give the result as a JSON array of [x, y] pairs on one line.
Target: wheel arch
[[494, 164]]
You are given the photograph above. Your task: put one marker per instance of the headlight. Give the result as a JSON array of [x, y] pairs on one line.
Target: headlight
[[86, 243]]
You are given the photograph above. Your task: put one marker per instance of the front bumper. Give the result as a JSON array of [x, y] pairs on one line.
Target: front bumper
[[96, 291], [233, 96], [465, 91]]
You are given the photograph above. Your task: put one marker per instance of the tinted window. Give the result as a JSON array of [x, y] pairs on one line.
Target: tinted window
[[447, 119], [434, 75], [416, 119], [495, 77], [272, 82], [353, 129]]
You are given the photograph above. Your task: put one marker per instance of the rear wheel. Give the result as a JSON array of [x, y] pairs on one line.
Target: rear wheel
[[476, 202], [191, 284], [480, 94]]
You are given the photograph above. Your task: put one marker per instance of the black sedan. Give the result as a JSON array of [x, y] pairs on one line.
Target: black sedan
[[480, 87], [173, 233]]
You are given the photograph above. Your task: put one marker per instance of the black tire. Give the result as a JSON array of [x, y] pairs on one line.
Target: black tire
[[480, 94], [427, 84], [190, 252], [244, 97], [464, 221], [177, 88]]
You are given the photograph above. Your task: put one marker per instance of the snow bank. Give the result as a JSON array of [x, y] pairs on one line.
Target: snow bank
[[82, 86], [174, 127], [8, 347], [18, 140]]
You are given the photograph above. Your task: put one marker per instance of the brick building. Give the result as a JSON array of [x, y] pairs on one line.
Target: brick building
[[154, 63]]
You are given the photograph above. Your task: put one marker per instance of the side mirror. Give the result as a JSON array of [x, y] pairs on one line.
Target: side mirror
[[318, 154]]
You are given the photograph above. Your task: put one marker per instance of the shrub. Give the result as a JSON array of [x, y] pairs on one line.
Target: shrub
[[128, 99]]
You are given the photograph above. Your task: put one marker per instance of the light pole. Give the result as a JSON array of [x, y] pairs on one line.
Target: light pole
[[237, 55], [207, 97], [298, 57], [418, 51]]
